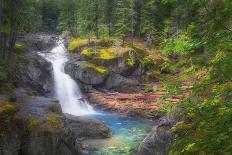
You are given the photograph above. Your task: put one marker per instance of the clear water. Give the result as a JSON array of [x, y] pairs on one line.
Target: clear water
[[127, 132], [66, 89]]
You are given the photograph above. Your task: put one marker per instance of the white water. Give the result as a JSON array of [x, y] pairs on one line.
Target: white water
[[66, 89]]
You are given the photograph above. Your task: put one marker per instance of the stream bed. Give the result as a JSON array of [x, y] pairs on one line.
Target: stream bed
[[127, 134]]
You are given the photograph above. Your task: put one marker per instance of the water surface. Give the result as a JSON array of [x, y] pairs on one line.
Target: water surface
[[127, 132]]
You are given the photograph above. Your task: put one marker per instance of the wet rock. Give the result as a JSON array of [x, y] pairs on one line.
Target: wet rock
[[86, 72], [159, 140], [119, 83], [39, 128], [48, 142], [38, 41], [32, 71], [88, 128], [10, 138]]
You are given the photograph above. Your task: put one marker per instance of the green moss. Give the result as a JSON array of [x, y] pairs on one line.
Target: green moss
[[8, 109], [149, 89], [99, 69], [76, 43], [154, 75], [21, 46], [51, 123], [3, 75], [55, 107], [7, 87], [54, 121], [105, 54], [130, 62], [34, 124]]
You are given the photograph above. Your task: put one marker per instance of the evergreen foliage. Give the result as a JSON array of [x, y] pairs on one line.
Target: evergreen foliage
[[184, 31]]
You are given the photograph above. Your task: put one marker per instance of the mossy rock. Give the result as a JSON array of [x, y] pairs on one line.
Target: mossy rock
[[8, 110], [108, 53], [55, 107], [86, 72], [51, 123], [101, 54], [77, 43], [116, 60]]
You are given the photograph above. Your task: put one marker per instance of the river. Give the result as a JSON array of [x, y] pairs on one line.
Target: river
[[127, 133]]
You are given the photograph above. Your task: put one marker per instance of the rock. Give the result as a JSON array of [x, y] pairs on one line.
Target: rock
[[38, 41], [88, 128], [119, 65], [32, 71], [121, 62], [159, 140], [119, 83], [86, 72], [39, 128], [138, 72], [9, 132]]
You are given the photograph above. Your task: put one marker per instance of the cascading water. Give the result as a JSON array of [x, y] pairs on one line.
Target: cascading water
[[66, 89], [127, 132]]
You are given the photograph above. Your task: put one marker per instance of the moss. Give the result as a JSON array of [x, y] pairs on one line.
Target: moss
[[99, 69], [154, 75], [20, 45], [8, 109], [51, 122], [55, 107], [130, 62], [7, 87], [76, 43], [105, 54], [54, 121], [149, 89], [34, 124], [3, 75]]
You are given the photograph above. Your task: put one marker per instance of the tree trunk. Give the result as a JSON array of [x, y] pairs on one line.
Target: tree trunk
[[96, 19], [1, 35], [139, 5], [108, 27], [132, 31], [12, 41]]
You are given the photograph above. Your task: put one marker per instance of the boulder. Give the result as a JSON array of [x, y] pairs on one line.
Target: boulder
[[86, 72], [158, 142], [88, 128], [119, 83], [32, 71], [39, 128], [38, 41], [121, 61]]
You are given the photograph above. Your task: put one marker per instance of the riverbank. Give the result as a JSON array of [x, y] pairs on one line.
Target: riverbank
[[140, 105]]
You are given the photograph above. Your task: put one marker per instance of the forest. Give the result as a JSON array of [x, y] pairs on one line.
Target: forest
[[161, 70]]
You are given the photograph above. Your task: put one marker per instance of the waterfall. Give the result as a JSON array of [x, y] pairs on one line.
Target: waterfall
[[66, 89]]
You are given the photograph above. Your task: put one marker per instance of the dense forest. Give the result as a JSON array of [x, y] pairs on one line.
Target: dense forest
[[186, 42]]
